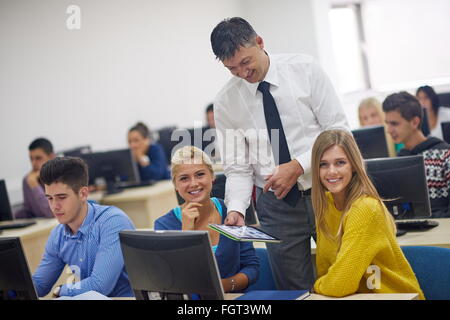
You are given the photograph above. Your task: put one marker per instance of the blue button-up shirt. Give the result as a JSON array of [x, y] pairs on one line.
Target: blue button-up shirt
[[93, 255]]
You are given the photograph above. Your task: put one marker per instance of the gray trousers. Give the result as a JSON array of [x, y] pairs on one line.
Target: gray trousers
[[290, 260]]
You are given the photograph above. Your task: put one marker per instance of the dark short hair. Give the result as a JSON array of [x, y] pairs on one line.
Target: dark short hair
[[431, 94], [210, 108], [405, 103], [68, 170], [231, 34], [142, 129], [41, 143]]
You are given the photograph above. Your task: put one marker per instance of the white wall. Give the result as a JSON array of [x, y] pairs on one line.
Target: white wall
[[294, 26], [146, 60], [408, 42], [134, 60]]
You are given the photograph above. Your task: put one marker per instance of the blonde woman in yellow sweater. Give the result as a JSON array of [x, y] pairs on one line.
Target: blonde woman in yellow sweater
[[357, 251]]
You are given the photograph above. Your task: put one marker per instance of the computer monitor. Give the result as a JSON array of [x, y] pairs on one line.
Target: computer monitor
[[75, 152], [371, 142], [116, 167], [402, 182], [444, 99], [5, 206], [171, 265], [165, 140], [445, 126], [15, 279]]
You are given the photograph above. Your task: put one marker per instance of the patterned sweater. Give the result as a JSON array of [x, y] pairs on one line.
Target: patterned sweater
[[369, 259], [436, 154]]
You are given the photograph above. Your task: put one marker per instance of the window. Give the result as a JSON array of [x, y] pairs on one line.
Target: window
[[346, 34]]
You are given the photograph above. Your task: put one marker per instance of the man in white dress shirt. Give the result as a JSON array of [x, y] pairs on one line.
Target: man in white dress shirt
[[254, 145]]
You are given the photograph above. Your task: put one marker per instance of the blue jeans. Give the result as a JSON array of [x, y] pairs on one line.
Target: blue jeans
[[290, 260]]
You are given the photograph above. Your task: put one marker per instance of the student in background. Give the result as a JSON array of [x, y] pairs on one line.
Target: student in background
[[429, 100], [35, 204], [210, 134], [193, 176], [150, 156], [210, 116], [87, 239], [403, 119], [357, 251], [371, 114]]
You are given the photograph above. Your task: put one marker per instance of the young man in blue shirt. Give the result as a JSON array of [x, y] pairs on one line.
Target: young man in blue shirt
[[87, 239]]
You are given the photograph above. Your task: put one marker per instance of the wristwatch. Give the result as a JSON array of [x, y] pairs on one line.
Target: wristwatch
[[233, 284], [144, 160]]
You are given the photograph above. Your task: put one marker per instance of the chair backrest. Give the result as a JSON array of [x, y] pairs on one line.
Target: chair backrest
[[265, 280], [432, 268]]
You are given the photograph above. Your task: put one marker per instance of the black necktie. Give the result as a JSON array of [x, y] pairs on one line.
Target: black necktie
[[273, 121]]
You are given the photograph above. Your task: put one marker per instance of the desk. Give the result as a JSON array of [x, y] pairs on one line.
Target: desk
[[33, 238], [436, 237], [143, 204], [368, 296], [313, 296]]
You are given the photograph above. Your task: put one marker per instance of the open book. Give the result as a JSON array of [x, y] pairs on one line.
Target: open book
[[244, 233]]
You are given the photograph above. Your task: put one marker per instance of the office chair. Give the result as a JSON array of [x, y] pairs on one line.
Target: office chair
[[431, 266], [265, 280]]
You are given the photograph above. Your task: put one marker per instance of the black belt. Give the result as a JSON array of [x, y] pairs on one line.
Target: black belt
[[302, 192], [305, 192]]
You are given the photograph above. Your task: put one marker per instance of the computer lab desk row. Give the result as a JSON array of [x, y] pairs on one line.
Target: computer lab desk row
[[314, 296], [142, 204], [34, 238]]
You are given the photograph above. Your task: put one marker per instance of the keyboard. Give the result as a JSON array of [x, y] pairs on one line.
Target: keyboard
[[16, 225], [416, 225]]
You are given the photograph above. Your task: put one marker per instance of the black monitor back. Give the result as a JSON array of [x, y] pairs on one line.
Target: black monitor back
[[445, 126], [371, 142], [165, 140], [5, 206], [171, 263], [444, 99], [76, 152], [113, 166], [15, 279], [403, 181]]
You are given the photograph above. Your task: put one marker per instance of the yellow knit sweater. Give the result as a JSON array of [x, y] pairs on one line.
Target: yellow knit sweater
[[369, 259]]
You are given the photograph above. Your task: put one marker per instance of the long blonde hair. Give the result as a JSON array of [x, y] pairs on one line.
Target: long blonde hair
[[370, 102], [359, 185]]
